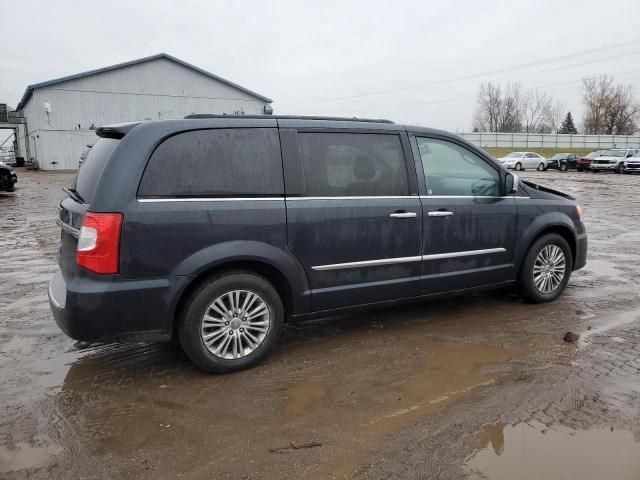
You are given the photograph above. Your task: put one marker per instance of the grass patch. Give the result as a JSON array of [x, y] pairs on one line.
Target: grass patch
[[546, 152]]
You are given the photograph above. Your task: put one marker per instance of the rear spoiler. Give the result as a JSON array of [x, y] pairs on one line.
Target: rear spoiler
[[117, 130]]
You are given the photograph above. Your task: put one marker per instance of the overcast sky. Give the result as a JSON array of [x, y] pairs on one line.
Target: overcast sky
[[414, 62]]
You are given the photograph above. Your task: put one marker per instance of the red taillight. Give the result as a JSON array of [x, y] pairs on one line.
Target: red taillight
[[99, 242]]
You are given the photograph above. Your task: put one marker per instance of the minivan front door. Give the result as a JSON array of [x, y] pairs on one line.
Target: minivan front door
[[470, 229], [356, 227]]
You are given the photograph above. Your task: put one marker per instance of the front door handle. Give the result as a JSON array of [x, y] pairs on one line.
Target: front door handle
[[440, 213], [403, 215]]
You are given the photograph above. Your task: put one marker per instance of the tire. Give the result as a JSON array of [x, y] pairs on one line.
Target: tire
[[541, 167], [192, 327], [564, 167], [595, 171], [526, 282], [580, 169], [619, 168], [518, 167], [626, 172]]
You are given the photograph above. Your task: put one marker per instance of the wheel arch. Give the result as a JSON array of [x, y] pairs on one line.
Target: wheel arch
[[278, 267], [562, 228]]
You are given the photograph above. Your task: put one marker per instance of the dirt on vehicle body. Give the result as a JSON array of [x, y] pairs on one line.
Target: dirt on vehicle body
[[466, 387]]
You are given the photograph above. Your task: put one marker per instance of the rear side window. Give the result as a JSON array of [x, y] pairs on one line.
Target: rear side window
[[353, 164], [88, 175], [221, 162]]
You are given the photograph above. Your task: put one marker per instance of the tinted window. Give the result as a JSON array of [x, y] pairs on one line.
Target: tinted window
[[453, 170], [353, 164], [88, 175], [241, 161]]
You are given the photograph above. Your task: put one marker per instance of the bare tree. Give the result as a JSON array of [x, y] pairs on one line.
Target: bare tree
[[498, 109], [609, 109], [536, 106], [556, 116]]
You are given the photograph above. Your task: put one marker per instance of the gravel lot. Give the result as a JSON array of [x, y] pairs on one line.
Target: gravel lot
[[475, 387]]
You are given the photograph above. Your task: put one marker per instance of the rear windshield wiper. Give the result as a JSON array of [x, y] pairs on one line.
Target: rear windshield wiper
[[72, 192]]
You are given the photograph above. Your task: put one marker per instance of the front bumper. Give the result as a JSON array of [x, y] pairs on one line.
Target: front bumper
[[631, 167], [604, 166], [106, 310]]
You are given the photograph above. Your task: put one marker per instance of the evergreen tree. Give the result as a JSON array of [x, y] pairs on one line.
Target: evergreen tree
[[568, 126]]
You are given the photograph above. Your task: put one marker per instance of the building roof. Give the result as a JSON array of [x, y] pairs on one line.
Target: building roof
[[30, 88]]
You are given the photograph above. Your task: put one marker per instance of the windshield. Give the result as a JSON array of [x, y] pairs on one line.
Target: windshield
[[514, 155], [87, 178], [614, 153], [559, 156]]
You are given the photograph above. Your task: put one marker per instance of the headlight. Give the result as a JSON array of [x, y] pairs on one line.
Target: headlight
[[580, 213]]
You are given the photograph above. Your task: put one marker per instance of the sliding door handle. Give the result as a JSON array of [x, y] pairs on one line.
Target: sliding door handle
[[403, 215], [440, 213]]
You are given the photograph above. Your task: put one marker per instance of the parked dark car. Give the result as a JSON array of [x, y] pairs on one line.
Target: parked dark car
[[217, 230], [8, 178], [563, 161]]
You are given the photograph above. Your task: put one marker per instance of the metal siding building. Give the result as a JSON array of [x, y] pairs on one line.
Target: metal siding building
[[61, 114]]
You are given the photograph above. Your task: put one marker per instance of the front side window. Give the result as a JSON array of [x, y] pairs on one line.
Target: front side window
[[353, 164], [217, 162], [452, 170]]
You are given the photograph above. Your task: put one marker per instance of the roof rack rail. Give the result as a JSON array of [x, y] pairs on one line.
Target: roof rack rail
[[290, 117]]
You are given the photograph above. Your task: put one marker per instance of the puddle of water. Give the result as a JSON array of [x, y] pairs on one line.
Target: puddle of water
[[610, 323], [522, 452]]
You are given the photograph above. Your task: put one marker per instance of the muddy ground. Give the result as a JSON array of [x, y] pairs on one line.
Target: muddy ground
[[475, 387]]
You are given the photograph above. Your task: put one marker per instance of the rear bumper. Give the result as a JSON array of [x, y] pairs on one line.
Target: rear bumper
[[133, 310], [581, 252]]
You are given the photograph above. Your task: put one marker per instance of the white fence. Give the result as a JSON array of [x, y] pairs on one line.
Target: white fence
[[527, 140]]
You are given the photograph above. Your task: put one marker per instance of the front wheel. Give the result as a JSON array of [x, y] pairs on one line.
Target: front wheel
[[231, 322], [541, 167], [518, 167], [564, 167], [619, 168], [546, 269]]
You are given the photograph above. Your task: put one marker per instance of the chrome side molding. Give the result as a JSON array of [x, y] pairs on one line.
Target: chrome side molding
[[417, 258]]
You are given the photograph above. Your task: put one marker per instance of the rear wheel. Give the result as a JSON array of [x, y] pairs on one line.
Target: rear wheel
[[546, 269], [231, 322], [564, 167], [518, 167], [541, 167], [580, 169]]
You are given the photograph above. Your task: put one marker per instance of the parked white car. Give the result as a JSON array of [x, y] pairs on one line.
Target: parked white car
[[613, 159], [523, 160]]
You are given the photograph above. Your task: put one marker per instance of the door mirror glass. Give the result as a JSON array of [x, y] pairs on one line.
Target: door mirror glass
[[511, 182]]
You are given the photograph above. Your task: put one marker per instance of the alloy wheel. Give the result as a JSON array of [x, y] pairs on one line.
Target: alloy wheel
[[549, 269], [235, 324]]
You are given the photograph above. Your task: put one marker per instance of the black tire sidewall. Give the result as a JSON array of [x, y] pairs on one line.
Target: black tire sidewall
[[525, 280], [190, 322]]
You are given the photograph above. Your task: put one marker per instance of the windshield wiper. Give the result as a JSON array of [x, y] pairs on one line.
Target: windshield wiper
[[72, 192]]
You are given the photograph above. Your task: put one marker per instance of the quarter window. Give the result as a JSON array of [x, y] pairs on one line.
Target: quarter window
[[453, 170], [220, 162], [353, 164]]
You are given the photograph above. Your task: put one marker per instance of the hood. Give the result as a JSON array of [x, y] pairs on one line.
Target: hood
[[540, 188]]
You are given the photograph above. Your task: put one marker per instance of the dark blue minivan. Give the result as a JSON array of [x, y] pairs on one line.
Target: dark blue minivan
[[218, 229]]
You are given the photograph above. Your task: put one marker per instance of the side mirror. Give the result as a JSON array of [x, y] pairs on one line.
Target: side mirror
[[511, 183]]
